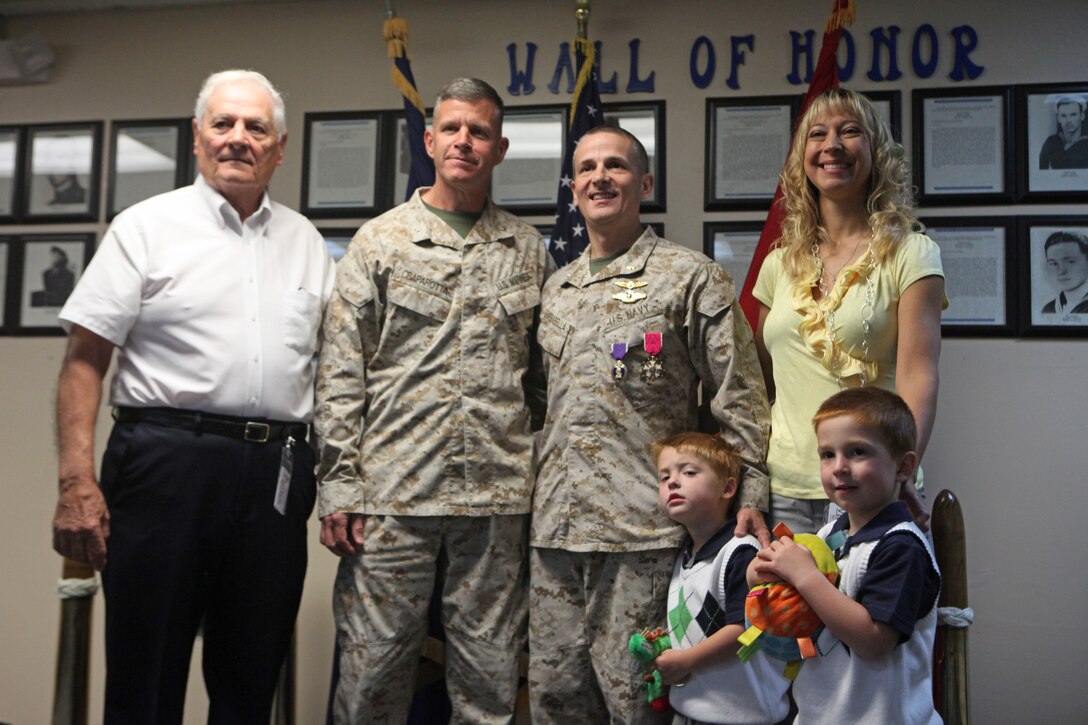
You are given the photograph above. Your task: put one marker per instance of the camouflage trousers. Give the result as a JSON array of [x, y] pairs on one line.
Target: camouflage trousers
[[380, 606], [583, 607]]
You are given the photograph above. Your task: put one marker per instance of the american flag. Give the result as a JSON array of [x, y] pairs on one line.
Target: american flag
[[569, 235]]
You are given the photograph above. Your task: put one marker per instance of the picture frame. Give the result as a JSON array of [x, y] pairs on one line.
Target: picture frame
[[1054, 274], [337, 240], [747, 141], [645, 120], [342, 162], [44, 269], [147, 157], [732, 244], [399, 155], [7, 287], [979, 255], [11, 164], [62, 170], [890, 105], [527, 180], [963, 145], [1046, 116]]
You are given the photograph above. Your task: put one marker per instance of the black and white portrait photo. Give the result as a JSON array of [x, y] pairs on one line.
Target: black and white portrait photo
[[1058, 273], [63, 177], [51, 266], [1055, 138]]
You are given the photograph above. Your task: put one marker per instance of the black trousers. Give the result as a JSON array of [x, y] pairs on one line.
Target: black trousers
[[195, 538]]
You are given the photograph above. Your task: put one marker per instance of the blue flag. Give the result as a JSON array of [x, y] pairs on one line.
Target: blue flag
[[569, 236], [421, 172]]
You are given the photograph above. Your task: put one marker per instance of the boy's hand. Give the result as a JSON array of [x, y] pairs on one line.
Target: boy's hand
[[673, 665], [784, 560]]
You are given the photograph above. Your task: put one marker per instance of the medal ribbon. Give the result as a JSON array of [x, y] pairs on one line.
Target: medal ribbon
[[652, 342]]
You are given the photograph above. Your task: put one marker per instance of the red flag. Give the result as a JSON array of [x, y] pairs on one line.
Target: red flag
[[825, 77]]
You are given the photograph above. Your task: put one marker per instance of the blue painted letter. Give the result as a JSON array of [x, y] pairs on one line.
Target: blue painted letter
[[702, 80], [924, 69], [882, 40], [563, 63], [634, 83], [966, 41], [737, 56], [519, 80], [801, 48]]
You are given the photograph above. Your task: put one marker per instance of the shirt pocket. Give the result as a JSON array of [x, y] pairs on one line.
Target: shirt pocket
[[419, 301], [552, 338], [301, 320], [639, 393]]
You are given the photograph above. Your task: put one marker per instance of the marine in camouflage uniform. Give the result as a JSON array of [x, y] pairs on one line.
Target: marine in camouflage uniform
[[602, 550], [425, 436]]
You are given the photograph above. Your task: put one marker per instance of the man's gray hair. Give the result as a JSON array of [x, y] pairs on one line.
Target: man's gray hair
[[236, 74], [471, 89]]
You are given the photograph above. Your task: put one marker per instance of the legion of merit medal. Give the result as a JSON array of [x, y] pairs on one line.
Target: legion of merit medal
[[629, 293], [619, 350], [652, 369]]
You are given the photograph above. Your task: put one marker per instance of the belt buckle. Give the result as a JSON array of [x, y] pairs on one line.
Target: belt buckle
[[257, 432]]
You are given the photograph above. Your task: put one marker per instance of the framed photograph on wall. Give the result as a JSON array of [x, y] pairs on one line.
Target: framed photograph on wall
[[1054, 276], [147, 157], [732, 245], [527, 180], [337, 240], [10, 165], [341, 164], [979, 258], [646, 122], [747, 140], [1052, 142], [963, 145], [46, 268], [62, 172], [890, 105]]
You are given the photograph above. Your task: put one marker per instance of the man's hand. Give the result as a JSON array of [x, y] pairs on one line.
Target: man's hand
[[342, 534], [81, 524], [750, 521], [917, 507]]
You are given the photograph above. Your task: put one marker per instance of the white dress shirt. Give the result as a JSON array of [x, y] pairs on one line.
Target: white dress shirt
[[209, 313]]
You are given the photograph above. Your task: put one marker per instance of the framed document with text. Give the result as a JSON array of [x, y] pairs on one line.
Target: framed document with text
[[747, 140], [527, 180], [963, 146], [646, 122], [732, 245], [979, 258], [341, 164]]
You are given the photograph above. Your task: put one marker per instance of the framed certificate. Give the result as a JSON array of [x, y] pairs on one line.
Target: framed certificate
[[732, 245], [341, 164], [45, 269], [527, 180], [6, 285], [963, 146], [400, 167], [747, 140], [62, 172], [979, 258], [147, 158], [646, 122], [1052, 142], [1054, 276]]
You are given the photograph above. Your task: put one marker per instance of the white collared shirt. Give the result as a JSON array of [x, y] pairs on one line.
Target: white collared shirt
[[209, 313]]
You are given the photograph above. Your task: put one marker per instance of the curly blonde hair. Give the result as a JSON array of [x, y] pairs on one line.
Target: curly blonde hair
[[891, 195]]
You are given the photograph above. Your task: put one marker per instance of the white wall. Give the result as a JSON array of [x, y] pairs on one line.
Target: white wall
[[1009, 434]]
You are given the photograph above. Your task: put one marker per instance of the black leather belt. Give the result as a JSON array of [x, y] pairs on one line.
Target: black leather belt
[[252, 431]]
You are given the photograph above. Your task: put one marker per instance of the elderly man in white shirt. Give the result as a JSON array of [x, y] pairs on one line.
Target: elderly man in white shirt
[[213, 296]]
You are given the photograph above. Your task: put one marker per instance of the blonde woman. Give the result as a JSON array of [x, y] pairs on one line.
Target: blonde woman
[[850, 296]]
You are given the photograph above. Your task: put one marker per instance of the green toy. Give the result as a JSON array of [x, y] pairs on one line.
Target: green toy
[[646, 646]]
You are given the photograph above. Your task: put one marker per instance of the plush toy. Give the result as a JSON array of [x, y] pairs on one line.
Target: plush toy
[[646, 646], [779, 620]]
